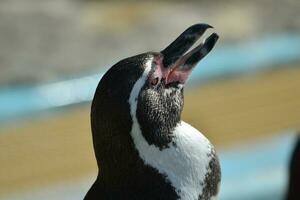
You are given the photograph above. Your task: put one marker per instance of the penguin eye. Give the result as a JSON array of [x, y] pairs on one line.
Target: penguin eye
[[154, 81]]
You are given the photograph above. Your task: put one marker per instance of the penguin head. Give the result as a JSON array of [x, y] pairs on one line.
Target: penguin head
[[149, 87], [160, 99]]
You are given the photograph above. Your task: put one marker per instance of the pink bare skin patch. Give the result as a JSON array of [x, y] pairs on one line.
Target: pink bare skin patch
[[178, 72]]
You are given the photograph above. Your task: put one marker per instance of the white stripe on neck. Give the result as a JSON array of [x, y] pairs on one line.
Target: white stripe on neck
[[185, 164]]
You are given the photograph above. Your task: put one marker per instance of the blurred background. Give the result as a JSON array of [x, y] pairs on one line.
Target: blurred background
[[244, 96]]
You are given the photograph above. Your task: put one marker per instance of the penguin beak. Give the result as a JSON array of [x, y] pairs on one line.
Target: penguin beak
[[178, 64]]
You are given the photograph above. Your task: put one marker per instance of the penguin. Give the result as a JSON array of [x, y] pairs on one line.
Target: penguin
[[144, 151], [293, 192]]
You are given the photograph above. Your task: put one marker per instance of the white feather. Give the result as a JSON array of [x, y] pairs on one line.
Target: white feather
[[185, 164]]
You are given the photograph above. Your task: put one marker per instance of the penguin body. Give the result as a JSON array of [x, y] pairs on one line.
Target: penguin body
[[143, 148]]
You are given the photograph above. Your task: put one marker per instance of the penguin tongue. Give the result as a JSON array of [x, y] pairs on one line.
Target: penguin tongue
[[180, 66]]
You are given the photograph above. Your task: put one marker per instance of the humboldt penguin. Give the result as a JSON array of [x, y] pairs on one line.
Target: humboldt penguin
[[144, 150]]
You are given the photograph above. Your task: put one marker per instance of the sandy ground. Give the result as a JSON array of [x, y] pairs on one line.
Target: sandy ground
[[231, 111]]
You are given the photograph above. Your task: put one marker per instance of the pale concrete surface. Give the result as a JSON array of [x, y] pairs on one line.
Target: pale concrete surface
[[44, 40]]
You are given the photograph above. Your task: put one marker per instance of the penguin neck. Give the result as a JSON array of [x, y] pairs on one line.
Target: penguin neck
[[121, 170], [185, 162]]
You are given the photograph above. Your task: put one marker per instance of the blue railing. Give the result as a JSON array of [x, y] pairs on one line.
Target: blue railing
[[269, 51]]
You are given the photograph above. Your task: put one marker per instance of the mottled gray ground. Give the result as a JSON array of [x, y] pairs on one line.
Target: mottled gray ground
[[44, 40]]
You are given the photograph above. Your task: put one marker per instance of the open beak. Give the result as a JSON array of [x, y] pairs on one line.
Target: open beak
[[178, 64]]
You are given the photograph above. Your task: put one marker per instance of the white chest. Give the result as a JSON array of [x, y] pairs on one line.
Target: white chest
[[185, 163]]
